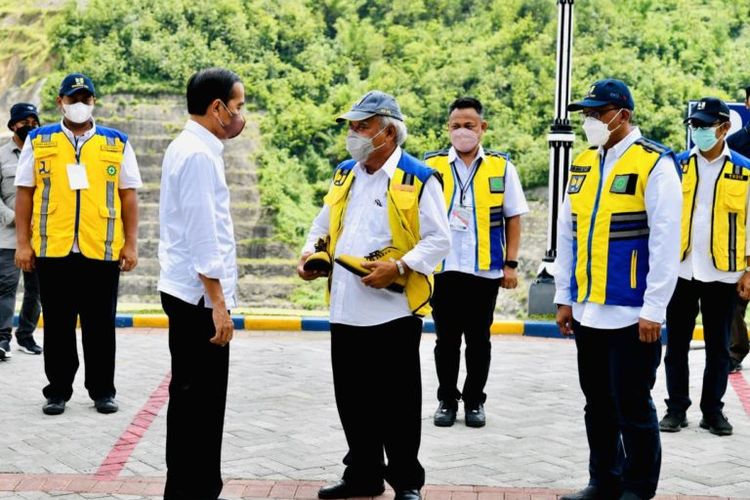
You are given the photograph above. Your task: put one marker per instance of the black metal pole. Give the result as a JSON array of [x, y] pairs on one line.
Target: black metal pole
[[560, 141]]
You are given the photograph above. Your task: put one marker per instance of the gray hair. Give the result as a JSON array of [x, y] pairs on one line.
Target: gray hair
[[400, 126]]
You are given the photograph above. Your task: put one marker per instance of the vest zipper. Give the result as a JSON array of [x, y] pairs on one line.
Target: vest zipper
[[591, 226]]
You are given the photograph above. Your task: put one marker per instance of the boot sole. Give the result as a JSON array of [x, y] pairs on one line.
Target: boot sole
[[715, 431], [392, 287], [443, 424], [673, 429]]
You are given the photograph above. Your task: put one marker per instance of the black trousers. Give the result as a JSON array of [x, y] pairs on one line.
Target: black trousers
[[617, 372], [739, 343], [30, 307], [197, 401], [72, 287], [463, 304], [717, 305], [378, 387]]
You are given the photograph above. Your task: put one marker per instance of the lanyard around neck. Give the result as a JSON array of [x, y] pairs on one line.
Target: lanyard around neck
[[464, 186]]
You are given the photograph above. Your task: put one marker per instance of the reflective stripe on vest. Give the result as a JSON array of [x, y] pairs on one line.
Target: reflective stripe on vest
[[728, 214], [610, 225], [488, 191], [93, 214]]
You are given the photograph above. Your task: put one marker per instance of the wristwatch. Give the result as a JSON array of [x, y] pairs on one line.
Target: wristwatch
[[400, 266], [511, 264]]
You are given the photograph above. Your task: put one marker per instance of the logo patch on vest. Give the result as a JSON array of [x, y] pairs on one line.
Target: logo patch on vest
[[112, 170], [497, 185], [44, 167], [580, 168], [624, 184], [736, 177], [576, 183], [340, 177]]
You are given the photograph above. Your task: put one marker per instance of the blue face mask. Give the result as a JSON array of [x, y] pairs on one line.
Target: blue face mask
[[704, 137]]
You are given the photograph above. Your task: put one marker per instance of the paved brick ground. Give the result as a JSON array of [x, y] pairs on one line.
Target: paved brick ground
[[283, 439]]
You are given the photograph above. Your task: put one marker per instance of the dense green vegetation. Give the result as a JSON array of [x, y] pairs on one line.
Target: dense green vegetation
[[305, 61]]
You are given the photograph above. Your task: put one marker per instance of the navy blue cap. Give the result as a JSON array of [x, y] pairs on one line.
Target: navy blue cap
[[603, 92], [709, 110], [75, 82], [20, 111], [373, 103]]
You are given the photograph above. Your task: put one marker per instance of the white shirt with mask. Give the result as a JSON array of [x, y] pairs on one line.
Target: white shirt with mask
[[196, 232], [130, 175], [367, 228], [698, 263], [462, 257], [664, 209]]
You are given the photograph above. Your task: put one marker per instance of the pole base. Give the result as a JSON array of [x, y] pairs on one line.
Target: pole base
[[542, 295]]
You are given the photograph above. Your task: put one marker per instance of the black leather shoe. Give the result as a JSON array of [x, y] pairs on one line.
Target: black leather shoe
[[673, 422], [407, 495], [54, 406], [590, 493], [475, 416], [342, 489], [629, 495], [445, 415], [717, 424], [106, 405]]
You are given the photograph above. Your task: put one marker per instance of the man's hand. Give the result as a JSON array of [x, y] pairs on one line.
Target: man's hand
[[510, 278], [308, 275], [25, 258], [565, 319], [382, 273], [648, 331], [223, 324], [743, 286], [128, 257]]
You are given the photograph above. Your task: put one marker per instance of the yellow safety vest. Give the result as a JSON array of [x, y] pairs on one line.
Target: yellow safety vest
[[404, 191], [610, 225], [60, 213], [729, 210], [488, 191]]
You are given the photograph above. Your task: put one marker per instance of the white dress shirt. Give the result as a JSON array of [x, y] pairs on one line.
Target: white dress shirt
[[463, 254], [698, 262], [366, 228], [129, 176], [664, 209], [196, 234]]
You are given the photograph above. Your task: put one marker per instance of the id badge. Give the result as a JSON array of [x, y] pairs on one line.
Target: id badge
[[460, 218], [77, 177]]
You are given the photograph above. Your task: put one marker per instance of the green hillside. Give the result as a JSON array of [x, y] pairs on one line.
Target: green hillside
[[305, 61]]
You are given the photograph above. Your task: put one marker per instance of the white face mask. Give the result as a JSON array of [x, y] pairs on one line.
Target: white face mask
[[79, 112], [361, 147], [597, 132]]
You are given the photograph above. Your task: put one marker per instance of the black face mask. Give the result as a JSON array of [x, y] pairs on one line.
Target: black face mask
[[24, 131]]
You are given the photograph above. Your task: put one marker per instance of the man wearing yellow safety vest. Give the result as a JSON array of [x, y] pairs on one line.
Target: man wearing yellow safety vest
[[384, 229], [715, 265], [617, 265], [77, 224], [484, 201]]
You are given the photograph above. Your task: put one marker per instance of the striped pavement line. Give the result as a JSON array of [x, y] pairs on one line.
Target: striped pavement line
[[527, 328]]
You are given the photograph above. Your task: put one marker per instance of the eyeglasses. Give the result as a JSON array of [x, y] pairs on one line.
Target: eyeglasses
[[597, 113], [696, 125]]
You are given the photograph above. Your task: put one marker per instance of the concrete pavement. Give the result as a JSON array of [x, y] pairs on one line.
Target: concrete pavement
[[283, 437]]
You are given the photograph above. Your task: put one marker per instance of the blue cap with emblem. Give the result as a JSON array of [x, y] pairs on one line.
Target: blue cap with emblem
[[75, 82], [22, 110], [709, 110], [373, 103], [603, 92]]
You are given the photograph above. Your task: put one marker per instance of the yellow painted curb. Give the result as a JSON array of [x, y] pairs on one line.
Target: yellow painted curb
[[507, 328], [698, 333], [273, 323], [150, 321]]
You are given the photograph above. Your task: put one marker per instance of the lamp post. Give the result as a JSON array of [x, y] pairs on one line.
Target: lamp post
[[560, 139]]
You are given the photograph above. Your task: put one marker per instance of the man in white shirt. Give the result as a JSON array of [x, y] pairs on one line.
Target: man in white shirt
[[616, 268], [484, 201], [383, 202], [714, 268], [197, 281], [77, 225]]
